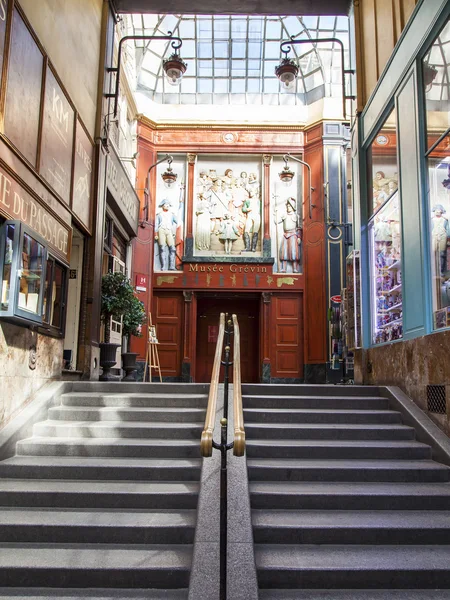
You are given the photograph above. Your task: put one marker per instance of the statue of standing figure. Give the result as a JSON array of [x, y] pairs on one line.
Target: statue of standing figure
[[164, 235], [290, 247]]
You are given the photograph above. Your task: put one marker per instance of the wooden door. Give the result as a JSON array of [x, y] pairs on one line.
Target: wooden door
[[168, 318], [247, 311], [287, 340]]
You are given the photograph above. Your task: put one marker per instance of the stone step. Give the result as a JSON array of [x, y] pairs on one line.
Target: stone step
[[118, 429], [98, 494], [311, 415], [313, 431], [166, 388], [315, 402], [92, 594], [124, 400], [350, 527], [289, 389], [95, 565], [143, 415], [54, 467], [349, 496], [354, 594], [337, 449], [110, 447], [260, 469], [354, 566], [102, 526]]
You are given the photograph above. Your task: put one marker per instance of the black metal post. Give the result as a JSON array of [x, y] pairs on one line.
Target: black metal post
[[224, 447]]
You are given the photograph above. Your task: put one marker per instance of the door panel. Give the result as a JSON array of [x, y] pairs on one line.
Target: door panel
[[287, 323], [247, 311], [168, 318]]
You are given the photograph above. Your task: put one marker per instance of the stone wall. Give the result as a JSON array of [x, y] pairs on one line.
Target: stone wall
[[411, 365], [28, 360]]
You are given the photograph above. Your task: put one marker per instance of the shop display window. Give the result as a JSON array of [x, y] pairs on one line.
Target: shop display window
[[383, 165], [353, 300], [435, 70], [386, 273], [33, 283]]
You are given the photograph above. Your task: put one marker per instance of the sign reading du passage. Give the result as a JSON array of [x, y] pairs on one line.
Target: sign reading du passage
[[16, 203]]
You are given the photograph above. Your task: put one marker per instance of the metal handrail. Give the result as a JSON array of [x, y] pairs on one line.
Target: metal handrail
[[206, 444], [239, 431]]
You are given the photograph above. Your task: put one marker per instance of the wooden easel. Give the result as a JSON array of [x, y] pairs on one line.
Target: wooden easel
[[151, 357]]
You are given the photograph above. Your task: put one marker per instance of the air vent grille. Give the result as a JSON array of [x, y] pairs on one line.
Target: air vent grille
[[436, 399]]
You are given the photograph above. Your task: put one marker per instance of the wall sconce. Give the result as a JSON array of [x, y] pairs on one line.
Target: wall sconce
[[169, 177], [287, 70], [174, 66], [286, 176], [168, 173], [131, 159]]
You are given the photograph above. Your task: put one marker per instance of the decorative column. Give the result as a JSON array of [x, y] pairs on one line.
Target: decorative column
[[266, 299], [266, 245], [190, 328], [189, 241]]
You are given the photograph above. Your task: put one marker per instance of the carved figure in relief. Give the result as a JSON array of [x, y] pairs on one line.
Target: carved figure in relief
[[228, 232], [290, 247], [252, 210], [164, 235], [203, 228]]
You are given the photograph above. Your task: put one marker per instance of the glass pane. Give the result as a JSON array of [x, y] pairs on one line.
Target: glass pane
[[221, 68], [386, 273], [439, 211], [47, 289], [57, 297], [273, 30], [382, 163], [30, 274], [436, 81], [238, 29], [6, 278], [238, 49], [221, 49], [221, 29], [220, 86]]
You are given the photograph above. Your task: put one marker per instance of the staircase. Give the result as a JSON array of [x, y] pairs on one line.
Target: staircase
[[346, 504], [104, 495]]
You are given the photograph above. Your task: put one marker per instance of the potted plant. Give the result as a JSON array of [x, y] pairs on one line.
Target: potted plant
[[117, 297], [133, 319]]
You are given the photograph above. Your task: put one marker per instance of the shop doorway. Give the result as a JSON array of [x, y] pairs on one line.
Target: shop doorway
[[246, 307]]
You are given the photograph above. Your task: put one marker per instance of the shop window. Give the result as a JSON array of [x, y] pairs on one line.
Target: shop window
[[33, 283], [435, 72], [383, 165], [54, 296], [386, 272], [436, 83]]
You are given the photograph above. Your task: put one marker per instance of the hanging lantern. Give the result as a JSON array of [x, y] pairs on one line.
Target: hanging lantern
[[287, 72], [174, 68], [286, 175], [169, 177]]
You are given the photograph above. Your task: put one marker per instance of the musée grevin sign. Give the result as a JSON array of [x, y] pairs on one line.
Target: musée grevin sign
[[16, 203]]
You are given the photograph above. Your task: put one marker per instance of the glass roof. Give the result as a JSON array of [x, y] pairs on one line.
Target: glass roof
[[232, 59]]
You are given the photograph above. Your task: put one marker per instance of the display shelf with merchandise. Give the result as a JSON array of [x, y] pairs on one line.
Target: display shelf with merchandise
[[386, 273]]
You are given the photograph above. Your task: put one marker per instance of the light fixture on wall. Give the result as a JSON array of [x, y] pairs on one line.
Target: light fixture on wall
[[168, 173], [169, 177], [174, 66], [131, 159], [286, 176], [287, 70]]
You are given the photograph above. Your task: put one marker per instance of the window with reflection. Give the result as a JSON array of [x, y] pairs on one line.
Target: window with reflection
[[436, 72], [54, 294], [7, 265], [383, 164], [30, 274], [436, 82]]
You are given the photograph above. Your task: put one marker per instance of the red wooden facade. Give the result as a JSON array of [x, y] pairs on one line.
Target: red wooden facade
[[282, 316]]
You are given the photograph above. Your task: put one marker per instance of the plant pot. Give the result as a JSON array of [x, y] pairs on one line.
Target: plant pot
[[129, 365], [108, 360]]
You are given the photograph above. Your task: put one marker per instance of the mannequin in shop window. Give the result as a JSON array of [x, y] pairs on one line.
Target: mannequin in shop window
[[164, 235], [440, 234]]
